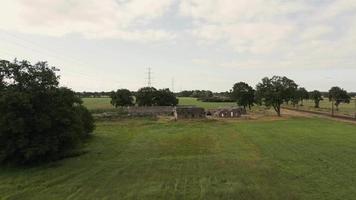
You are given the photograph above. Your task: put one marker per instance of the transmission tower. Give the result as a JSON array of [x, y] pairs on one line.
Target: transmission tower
[[172, 84], [149, 77]]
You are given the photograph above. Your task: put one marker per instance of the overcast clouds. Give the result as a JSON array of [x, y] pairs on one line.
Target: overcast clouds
[[205, 44]]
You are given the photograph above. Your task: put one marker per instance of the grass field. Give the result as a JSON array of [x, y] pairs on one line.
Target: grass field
[[294, 158], [326, 106], [98, 104], [103, 104]]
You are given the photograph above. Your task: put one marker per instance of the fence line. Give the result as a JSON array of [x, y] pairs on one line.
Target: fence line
[[328, 112]]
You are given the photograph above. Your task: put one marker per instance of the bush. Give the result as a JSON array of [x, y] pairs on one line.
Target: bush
[[39, 121]]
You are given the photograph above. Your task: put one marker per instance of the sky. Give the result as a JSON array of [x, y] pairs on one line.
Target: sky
[[188, 44]]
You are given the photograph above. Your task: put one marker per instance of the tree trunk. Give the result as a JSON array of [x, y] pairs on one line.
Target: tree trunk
[[277, 108], [316, 104]]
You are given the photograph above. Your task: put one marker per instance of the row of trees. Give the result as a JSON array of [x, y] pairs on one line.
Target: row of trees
[[146, 96], [273, 92], [38, 119]]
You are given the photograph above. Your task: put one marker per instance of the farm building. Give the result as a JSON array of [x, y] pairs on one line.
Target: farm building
[[150, 110], [229, 112], [189, 112]]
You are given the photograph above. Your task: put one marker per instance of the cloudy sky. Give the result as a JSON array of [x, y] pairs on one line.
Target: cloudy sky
[[201, 44]]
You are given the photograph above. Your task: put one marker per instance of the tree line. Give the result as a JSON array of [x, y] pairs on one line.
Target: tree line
[[146, 96], [277, 90]]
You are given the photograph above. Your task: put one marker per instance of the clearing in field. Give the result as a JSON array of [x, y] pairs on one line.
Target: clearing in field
[[290, 158]]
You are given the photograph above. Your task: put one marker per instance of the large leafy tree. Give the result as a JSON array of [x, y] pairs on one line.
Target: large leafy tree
[[122, 97], [146, 96], [243, 94], [165, 97], [272, 92], [39, 121], [338, 96], [302, 94], [316, 96]]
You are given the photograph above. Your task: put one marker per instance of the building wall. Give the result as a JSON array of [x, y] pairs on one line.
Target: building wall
[[150, 110]]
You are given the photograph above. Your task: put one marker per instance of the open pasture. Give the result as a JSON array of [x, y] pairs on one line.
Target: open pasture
[[288, 158], [103, 104], [326, 107]]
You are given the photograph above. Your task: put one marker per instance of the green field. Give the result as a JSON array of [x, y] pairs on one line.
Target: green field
[[326, 106], [103, 104], [288, 158], [98, 104]]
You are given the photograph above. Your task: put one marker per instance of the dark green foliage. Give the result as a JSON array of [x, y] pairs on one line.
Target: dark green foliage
[[303, 94], [216, 99], [338, 95], [39, 121], [200, 94], [316, 97], [243, 94], [274, 91], [146, 96], [165, 97], [122, 97], [150, 96]]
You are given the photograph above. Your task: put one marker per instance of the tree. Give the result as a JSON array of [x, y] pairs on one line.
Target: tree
[[39, 121], [274, 91], [316, 97], [338, 95], [122, 97], [243, 94], [146, 96], [165, 97], [302, 94]]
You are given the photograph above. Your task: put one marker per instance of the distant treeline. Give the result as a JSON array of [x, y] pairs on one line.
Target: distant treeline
[[207, 95]]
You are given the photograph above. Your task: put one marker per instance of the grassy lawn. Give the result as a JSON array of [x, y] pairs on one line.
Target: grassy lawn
[[295, 158], [103, 104]]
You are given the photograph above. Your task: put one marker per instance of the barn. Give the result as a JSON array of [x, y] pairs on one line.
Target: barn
[[190, 112], [229, 112]]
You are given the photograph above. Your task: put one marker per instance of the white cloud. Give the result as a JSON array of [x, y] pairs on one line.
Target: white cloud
[[94, 19], [231, 11], [276, 33]]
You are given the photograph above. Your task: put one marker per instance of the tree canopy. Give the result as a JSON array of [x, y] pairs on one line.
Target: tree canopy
[[146, 96], [338, 95], [274, 91], [165, 97], [316, 96], [39, 121], [243, 94], [122, 97], [302, 95]]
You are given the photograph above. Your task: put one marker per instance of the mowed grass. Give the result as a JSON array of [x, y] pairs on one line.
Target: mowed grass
[[103, 104], [295, 158]]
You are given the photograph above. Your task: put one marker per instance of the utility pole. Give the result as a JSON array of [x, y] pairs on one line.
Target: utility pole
[[149, 78]]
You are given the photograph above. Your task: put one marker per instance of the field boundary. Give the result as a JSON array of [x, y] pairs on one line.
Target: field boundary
[[350, 118]]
